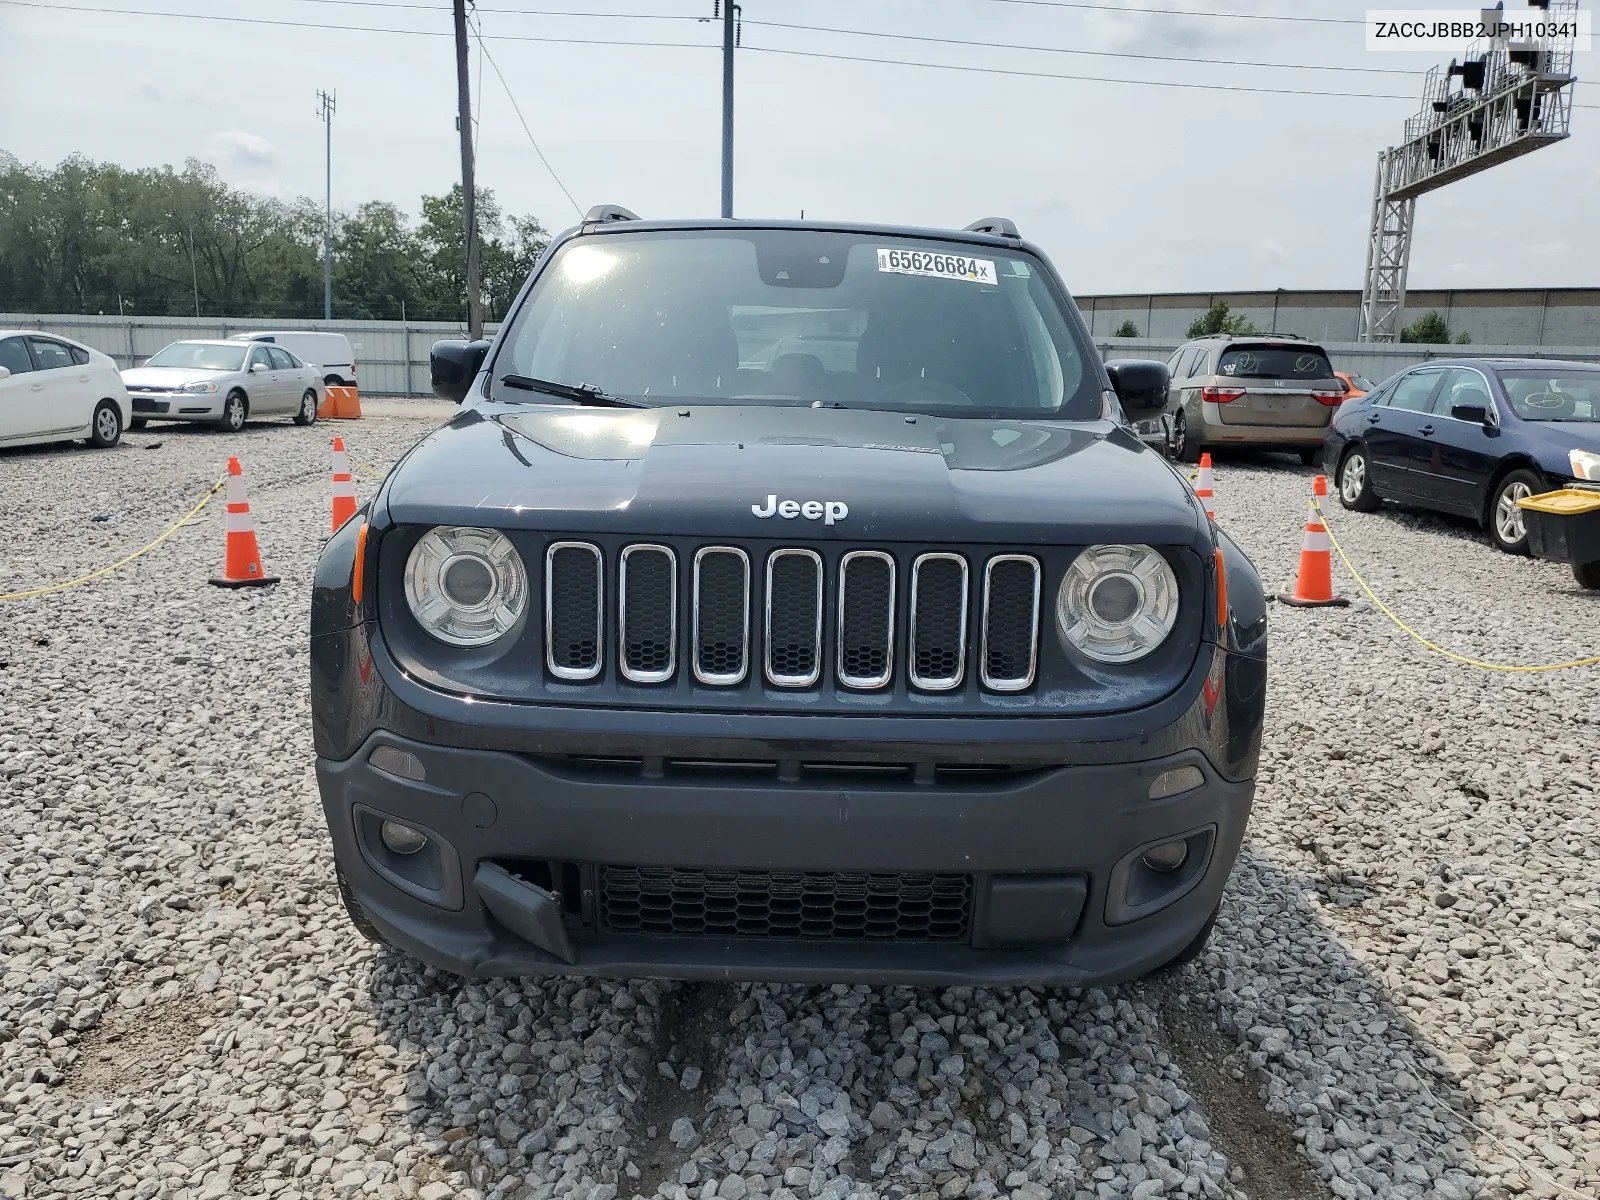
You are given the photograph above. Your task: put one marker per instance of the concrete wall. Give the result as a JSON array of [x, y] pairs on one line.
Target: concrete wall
[[391, 357], [1510, 317]]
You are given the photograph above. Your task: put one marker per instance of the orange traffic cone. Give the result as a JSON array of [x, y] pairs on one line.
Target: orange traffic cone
[[242, 559], [1206, 485], [1314, 586], [344, 489]]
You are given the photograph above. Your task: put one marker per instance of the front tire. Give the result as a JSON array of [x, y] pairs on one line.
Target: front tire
[[307, 412], [1355, 482], [1184, 447], [233, 413], [1192, 951], [1587, 575], [1506, 526], [105, 427], [358, 915]]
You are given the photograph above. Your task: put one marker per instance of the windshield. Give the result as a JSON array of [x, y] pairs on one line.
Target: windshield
[[803, 317], [1275, 362], [199, 356], [1362, 382], [1553, 395]]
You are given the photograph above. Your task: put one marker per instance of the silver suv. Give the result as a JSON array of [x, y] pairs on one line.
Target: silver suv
[[1274, 392]]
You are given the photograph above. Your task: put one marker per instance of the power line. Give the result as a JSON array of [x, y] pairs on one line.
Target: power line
[[282, 24], [1204, 87], [1226, 62], [517, 108], [911, 37], [1182, 12], [503, 37]]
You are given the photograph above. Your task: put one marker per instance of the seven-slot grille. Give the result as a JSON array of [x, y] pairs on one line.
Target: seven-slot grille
[[791, 606], [686, 902]]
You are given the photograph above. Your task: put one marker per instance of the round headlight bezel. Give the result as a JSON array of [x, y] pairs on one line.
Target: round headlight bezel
[[441, 615], [1084, 626]]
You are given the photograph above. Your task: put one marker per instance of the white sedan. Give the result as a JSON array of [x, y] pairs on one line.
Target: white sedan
[[222, 383], [53, 389]]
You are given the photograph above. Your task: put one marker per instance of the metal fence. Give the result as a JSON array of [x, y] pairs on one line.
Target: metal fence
[[1376, 360], [392, 356]]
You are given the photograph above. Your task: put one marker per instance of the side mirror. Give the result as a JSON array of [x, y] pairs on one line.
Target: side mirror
[[453, 366], [1141, 386], [254, 367], [1476, 413], [5, 372]]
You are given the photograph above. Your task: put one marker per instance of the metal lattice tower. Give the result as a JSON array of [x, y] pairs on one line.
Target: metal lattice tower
[[1513, 98]]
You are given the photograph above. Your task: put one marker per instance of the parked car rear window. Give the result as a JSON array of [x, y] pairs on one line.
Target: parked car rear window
[[1275, 362], [200, 356], [800, 317], [1553, 395]]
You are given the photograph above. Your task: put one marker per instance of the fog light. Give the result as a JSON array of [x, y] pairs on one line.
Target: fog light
[[402, 839], [1165, 858]]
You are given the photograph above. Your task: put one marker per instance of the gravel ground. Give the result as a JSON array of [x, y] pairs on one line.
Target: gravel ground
[[1399, 999]]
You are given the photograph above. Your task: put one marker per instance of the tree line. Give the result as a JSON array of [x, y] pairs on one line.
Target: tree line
[[86, 237]]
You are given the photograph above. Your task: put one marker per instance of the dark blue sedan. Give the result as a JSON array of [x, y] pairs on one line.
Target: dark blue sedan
[[1470, 437]]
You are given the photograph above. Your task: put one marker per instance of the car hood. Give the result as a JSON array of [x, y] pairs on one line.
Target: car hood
[[714, 471], [169, 376], [1554, 441]]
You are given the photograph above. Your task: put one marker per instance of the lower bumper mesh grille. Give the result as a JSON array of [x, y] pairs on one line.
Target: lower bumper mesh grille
[[847, 905]]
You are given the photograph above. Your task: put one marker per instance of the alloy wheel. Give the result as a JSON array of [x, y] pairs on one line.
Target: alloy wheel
[[1507, 516]]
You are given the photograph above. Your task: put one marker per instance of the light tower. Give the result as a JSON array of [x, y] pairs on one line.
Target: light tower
[[1513, 97]]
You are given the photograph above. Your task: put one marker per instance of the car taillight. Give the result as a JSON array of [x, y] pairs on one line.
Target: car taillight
[[1216, 395], [1331, 399]]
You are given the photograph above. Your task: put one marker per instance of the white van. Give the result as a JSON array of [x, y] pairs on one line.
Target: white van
[[330, 352]]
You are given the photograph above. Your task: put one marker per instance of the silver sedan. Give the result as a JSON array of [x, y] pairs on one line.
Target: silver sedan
[[223, 383]]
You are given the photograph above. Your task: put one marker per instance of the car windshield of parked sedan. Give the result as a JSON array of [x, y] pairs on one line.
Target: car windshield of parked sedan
[[199, 356], [1275, 362], [803, 317], [1565, 395]]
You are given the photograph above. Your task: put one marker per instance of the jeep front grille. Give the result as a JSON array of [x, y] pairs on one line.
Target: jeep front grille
[[574, 607], [845, 905], [721, 615], [794, 618], [804, 616], [1010, 622], [938, 655], [647, 613], [866, 619]]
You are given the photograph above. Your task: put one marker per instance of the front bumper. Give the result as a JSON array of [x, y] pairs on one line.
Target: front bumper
[[174, 406], [517, 808]]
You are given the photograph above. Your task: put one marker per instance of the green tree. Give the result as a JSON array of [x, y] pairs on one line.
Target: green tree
[[1218, 319], [1126, 329], [1428, 329], [1463, 339]]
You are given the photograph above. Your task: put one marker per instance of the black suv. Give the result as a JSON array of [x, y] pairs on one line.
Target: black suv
[[788, 601]]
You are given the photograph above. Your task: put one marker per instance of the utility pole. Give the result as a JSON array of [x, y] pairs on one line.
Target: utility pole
[[730, 39], [194, 274], [329, 103], [468, 201]]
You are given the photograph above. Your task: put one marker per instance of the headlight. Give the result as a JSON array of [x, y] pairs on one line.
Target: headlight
[[194, 389], [1117, 603], [1586, 465], [466, 586]]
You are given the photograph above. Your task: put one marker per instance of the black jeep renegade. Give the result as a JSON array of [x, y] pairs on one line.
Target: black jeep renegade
[[788, 601]]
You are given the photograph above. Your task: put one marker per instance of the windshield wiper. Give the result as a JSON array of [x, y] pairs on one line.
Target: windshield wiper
[[582, 393]]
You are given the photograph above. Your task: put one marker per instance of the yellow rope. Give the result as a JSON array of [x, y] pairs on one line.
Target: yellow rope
[[165, 534], [1434, 646]]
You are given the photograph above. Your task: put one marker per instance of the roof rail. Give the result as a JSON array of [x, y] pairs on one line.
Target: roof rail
[[999, 226], [601, 214]]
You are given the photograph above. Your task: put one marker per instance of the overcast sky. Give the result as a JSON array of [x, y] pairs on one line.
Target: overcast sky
[[1128, 187]]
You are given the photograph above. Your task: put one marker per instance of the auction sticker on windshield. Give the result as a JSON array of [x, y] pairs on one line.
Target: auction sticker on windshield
[[938, 266]]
